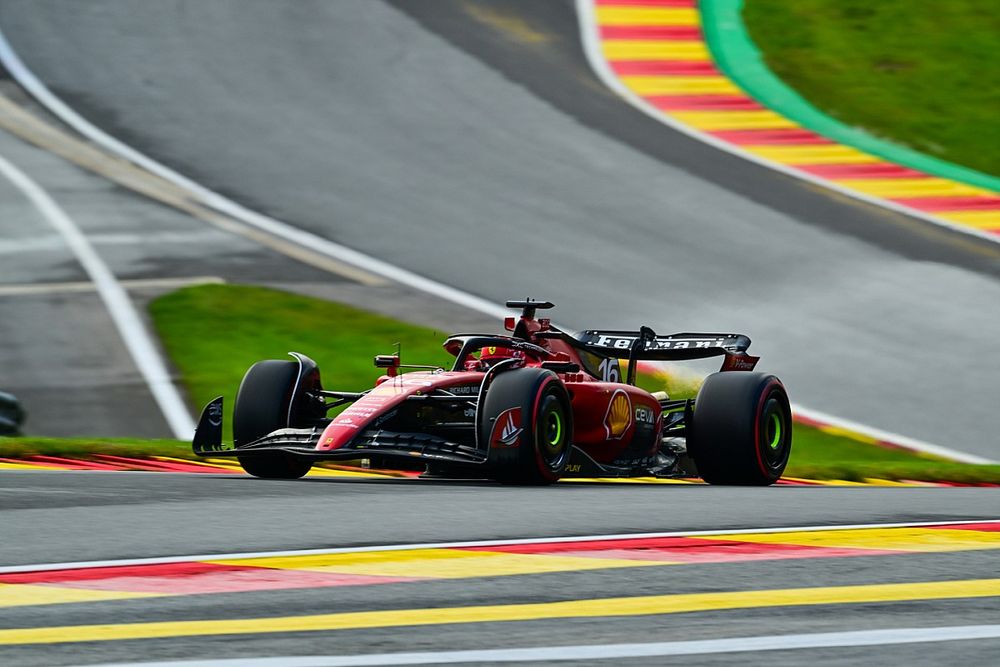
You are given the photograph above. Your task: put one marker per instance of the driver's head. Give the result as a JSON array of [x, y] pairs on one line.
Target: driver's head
[[490, 356]]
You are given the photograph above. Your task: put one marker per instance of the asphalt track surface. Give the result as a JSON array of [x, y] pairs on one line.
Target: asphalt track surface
[[413, 132], [56, 516], [62, 356], [53, 517]]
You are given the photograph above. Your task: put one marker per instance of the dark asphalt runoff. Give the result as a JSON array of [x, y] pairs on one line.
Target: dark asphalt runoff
[[60, 352], [84, 516], [470, 142]]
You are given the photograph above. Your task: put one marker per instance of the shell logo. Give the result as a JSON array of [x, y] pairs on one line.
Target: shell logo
[[619, 416]]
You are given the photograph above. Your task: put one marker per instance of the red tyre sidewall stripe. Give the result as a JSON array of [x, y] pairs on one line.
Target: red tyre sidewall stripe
[[774, 382], [534, 423]]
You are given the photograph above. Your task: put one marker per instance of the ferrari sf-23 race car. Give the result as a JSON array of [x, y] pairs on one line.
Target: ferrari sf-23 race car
[[525, 408]]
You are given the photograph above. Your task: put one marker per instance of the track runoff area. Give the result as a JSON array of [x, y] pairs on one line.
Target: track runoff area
[[167, 464], [665, 569]]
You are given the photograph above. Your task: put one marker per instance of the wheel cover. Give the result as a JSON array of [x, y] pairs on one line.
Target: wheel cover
[[552, 433], [774, 429], [553, 428], [774, 438]]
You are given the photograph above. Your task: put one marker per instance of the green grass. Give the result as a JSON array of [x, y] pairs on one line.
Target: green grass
[[820, 455], [923, 74], [213, 333], [817, 454], [23, 447]]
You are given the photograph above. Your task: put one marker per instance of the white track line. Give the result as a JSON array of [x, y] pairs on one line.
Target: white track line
[[36, 88], [891, 636], [477, 543], [32, 289], [27, 79], [592, 47], [127, 320], [895, 439]]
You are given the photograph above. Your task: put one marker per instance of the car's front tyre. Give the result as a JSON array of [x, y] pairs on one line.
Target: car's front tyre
[[527, 423], [262, 406]]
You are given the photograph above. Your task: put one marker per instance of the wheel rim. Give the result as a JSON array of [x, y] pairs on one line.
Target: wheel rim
[[552, 433], [774, 438], [774, 430], [553, 428]]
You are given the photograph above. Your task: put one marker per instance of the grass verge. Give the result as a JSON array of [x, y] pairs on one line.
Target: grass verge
[[213, 333], [818, 454], [81, 448], [923, 74]]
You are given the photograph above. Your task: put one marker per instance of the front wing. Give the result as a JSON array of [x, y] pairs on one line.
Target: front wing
[[302, 442], [381, 443]]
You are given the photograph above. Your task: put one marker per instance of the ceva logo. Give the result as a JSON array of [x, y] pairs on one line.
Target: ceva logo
[[507, 429]]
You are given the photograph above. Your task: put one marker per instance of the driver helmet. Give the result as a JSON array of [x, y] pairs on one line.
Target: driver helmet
[[493, 354]]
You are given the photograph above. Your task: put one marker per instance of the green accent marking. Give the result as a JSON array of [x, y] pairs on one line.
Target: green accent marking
[[740, 59], [558, 424], [776, 422]]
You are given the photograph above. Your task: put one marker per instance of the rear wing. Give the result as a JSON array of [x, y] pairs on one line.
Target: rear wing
[[645, 345], [677, 346]]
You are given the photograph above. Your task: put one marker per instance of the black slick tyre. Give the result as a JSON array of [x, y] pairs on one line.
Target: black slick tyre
[[527, 422], [262, 406], [741, 432]]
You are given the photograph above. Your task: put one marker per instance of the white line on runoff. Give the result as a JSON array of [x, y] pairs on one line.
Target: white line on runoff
[[162, 560], [892, 636], [138, 341]]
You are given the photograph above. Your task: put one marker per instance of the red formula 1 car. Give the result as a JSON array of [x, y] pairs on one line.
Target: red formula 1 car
[[525, 408]]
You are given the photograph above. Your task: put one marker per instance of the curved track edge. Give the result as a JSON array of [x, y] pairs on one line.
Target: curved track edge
[[654, 55]]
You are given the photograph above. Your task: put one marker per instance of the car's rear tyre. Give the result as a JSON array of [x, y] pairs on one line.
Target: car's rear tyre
[[538, 453], [262, 404], [741, 432]]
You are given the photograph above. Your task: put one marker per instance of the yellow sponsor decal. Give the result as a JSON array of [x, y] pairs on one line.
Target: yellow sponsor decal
[[619, 416]]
